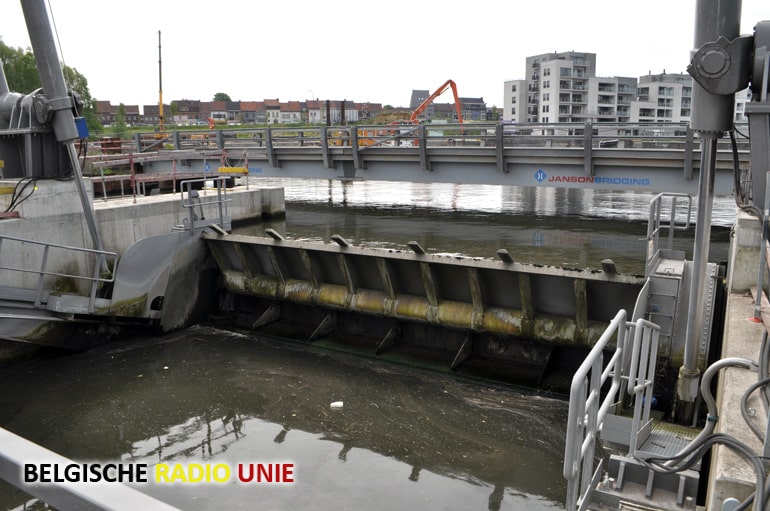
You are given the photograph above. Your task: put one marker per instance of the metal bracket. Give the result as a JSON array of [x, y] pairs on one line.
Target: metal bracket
[[722, 67]]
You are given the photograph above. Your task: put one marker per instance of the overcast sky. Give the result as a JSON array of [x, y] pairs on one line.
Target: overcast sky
[[353, 49]]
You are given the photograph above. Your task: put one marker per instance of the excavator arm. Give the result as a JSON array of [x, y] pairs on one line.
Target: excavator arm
[[421, 108]]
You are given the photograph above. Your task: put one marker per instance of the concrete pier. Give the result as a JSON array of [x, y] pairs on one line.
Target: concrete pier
[[731, 475], [52, 214]]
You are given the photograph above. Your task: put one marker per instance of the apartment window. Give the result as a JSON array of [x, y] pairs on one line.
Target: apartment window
[[546, 84], [544, 119], [546, 96], [513, 88], [565, 71], [547, 71], [545, 108], [513, 111]]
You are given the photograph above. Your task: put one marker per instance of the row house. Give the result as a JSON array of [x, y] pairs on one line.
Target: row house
[[107, 113], [152, 114], [269, 111]]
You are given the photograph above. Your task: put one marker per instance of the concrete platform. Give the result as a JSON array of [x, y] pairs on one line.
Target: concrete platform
[[731, 475]]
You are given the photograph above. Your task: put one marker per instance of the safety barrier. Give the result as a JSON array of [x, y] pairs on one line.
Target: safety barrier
[[101, 261], [191, 200], [16, 452], [657, 223], [588, 409]]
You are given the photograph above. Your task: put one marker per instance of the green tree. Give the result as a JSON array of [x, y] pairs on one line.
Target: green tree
[[22, 76], [221, 96], [120, 121]]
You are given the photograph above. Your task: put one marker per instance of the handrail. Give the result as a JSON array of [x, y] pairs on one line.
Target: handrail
[[96, 279], [641, 375], [656, 223], [16, 452], [587, 409], [636, 134], [191, 199]]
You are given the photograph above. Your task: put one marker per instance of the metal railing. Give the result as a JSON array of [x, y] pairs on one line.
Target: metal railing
[[641, 375], [194, 203], [101, 259], [17, 452], [569, 134], [588, 409], [658, 221]]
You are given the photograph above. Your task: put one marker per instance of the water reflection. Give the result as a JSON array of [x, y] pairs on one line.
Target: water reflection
[[509, 200], [404, 438], [568, 241]]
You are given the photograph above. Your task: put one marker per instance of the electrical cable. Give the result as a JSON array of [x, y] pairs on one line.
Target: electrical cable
[[745, 408], [693, 453], [18, 190], [711, 405], [764, 362]]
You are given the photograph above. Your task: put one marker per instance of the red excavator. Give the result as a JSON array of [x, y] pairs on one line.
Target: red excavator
[[421, 108], [414, 119]]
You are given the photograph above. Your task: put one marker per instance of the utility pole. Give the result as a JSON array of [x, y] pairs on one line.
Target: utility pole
[[160, 88]]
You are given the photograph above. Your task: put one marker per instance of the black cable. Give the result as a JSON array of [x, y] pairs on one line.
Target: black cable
[[16, 197], [745, 405], [763, 367], [740, 199], [693, 454]]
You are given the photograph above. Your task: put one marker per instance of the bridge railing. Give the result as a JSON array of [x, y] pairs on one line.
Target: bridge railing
[[591, 134]]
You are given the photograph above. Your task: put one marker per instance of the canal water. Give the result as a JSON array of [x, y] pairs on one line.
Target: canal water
[[574, 228], [397, 437]]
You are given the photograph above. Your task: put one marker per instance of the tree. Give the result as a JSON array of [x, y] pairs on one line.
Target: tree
[[120, 121], [22, 76], [221, 96]]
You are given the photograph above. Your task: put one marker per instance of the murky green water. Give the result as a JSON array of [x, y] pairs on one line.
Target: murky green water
[[404, 439]]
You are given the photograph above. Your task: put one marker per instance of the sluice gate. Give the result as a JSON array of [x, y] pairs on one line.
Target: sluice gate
[[494, 311]]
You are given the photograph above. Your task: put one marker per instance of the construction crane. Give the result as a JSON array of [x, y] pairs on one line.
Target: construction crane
[[421, 108]]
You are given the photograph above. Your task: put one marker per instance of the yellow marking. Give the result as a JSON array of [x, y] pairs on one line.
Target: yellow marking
[[2, 164], [233, 170], [6, 190]]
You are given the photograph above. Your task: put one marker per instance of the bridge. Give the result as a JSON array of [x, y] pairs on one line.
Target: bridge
[[603, 156]]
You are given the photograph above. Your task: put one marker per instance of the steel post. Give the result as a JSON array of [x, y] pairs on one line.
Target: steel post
[[712, 114]]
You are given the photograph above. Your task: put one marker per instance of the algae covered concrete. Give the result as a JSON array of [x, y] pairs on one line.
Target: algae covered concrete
[[52, 214]]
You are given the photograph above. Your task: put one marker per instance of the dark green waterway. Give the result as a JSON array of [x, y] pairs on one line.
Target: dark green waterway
[[405, 438]]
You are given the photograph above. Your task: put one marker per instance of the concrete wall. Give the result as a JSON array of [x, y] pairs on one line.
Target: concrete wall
[[53, 214], [744, 253], [731, 476]]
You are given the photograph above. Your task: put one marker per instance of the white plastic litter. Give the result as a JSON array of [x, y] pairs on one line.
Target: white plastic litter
[[336, 404]]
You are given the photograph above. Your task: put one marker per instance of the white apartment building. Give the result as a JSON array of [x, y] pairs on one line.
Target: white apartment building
[[663, 97], [515, 101], [564, 88], [610, 99]]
